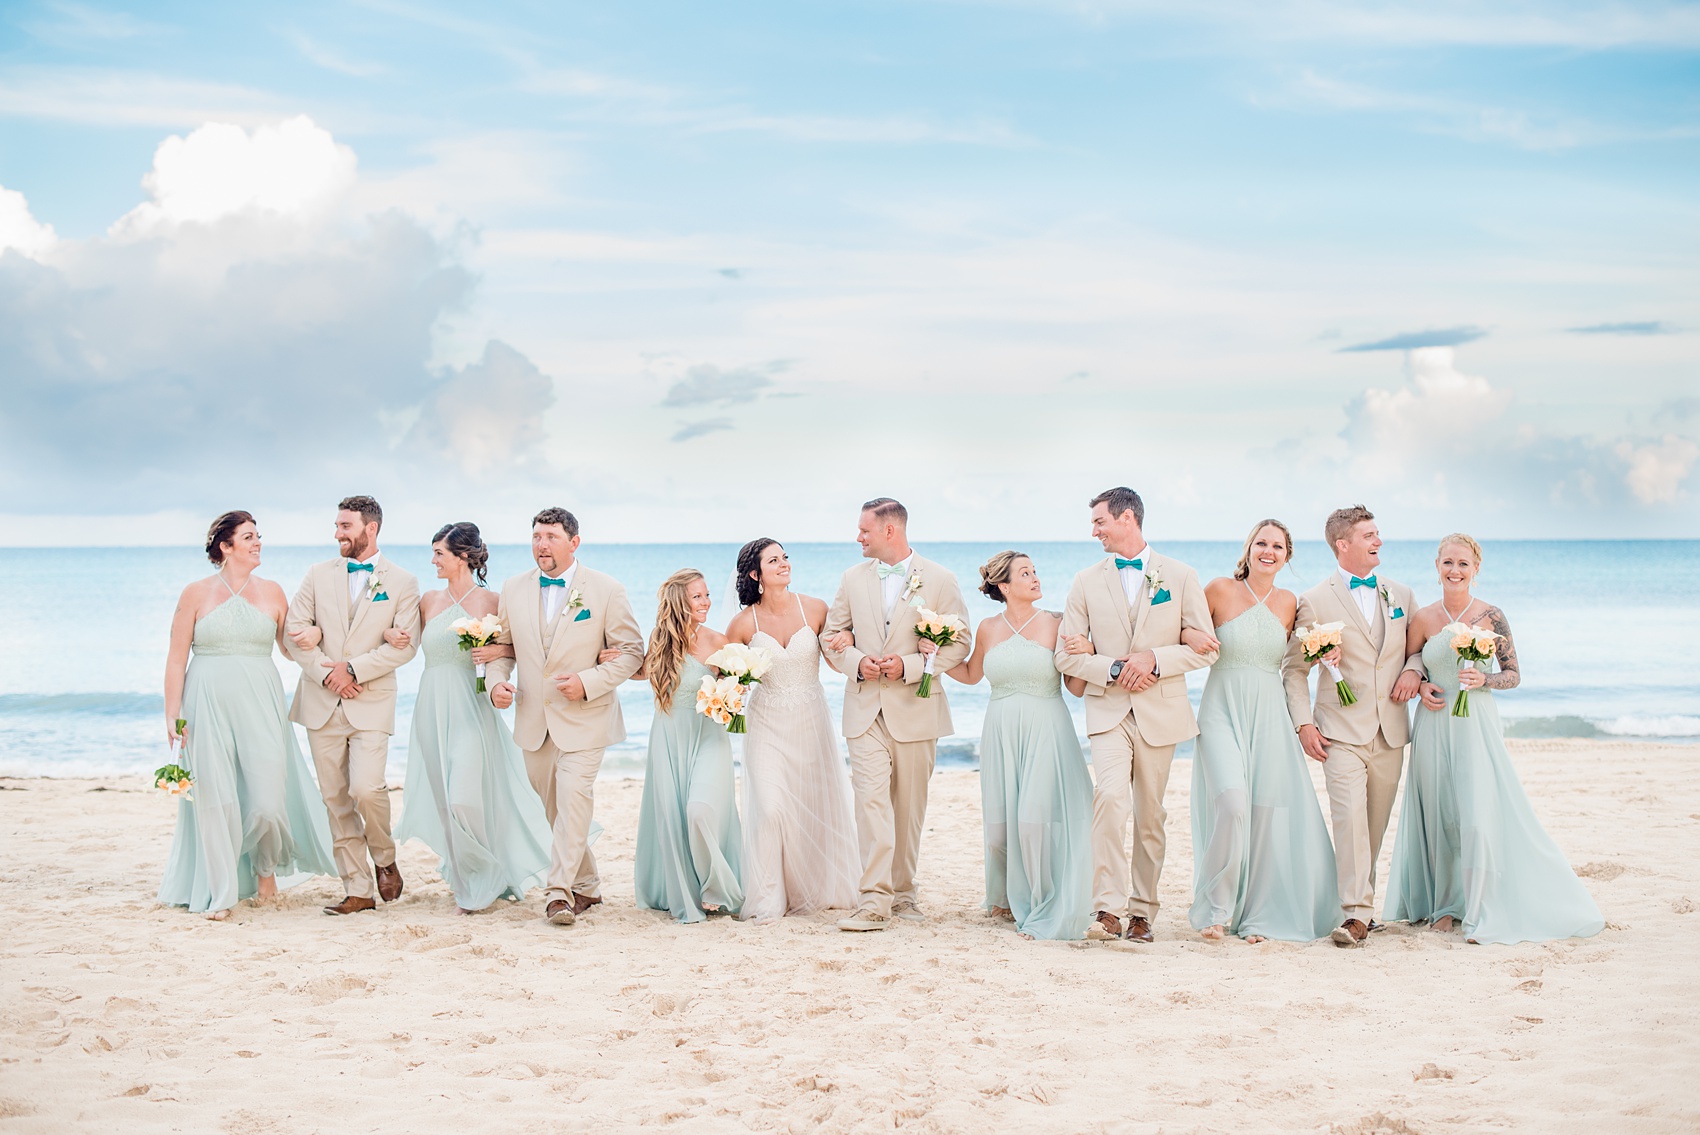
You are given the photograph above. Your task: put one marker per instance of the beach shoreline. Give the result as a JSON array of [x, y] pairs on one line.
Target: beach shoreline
[[119, 1013]]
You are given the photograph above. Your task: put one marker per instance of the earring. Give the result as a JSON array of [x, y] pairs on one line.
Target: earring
[[761, 589]]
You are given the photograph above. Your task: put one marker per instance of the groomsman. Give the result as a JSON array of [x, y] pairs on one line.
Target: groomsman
[[1133, 606], [892, 734], [346, 697], [559, 617], [1361, 746]]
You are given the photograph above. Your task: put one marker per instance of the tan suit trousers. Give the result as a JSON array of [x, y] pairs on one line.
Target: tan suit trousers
[[1129, 779], [889, 778], [1362, 781], [350, 763], [567, 784]]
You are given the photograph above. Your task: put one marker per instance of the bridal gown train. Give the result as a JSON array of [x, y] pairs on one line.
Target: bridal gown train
[[255, 809], [799, 836], [1469, 844]]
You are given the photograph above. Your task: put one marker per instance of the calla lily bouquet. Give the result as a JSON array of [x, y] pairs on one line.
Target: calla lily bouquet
[[1471, 645], [173, 779], [475, 633], [1319, 639], [941, 631], [723, 699]]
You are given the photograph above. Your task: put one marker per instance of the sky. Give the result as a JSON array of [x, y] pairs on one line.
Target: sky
[[701, 271]]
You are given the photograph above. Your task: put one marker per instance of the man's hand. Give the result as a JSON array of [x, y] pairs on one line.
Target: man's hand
[[1137, 669], [502, 695], [869, 669], [306, 638], [891, 666], [340, 681], [1313, 742], [571, 688], [1433, 696], [397, 638], [1405, 688]]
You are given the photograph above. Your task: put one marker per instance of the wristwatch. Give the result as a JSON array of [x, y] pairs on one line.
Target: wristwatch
[[1116, 669]]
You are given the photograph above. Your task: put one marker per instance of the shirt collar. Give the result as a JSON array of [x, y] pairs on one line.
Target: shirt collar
[[566, 575], [1144, 554], [1346, 577], [369, 559], [903, 563]]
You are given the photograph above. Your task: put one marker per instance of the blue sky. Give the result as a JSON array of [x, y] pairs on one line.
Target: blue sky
[[686, 268]]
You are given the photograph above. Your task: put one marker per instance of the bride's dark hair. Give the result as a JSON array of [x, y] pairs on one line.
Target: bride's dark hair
[[749, 570], [464, 540]]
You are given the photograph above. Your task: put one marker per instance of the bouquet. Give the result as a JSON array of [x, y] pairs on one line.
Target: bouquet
[[1472, 645], [940, 630], [1319, 639], [475, 633], [173, 779], [723, 699]]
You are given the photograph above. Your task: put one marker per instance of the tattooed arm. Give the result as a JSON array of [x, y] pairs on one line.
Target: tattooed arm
[[1505, 653]]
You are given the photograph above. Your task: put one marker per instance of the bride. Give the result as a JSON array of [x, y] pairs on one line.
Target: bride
[[799, 838]]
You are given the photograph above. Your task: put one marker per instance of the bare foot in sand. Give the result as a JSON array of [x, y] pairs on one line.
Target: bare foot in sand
[[1443, 923], [1211, 934], [1254, 939], [217, 915], [268, 888], [1002, 912]]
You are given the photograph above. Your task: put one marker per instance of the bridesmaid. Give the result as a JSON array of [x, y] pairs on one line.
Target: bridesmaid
[[254, 812], [1469, 847], [1262, 863], [688, 834], [1035, 793], [467, 796]]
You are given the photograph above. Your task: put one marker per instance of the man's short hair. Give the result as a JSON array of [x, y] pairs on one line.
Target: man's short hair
[[560, 516], [1119, 500], [888, 510], [1341, 522], [368, 509]]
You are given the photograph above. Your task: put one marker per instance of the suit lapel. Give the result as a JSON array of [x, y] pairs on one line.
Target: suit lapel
[[1343, 594], [364, 603], [339, 586], [871, 594], [555, 634], [1146, 593]]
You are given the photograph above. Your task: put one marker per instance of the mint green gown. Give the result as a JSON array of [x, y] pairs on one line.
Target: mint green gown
[[1469, 844], [688, 834], [1035, 796], [255, 808], [467, 796], [1262, 862]]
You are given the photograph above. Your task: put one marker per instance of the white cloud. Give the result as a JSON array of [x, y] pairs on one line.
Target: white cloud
[[20, 230], [1657, 469], [1440, 409], [292, 168]]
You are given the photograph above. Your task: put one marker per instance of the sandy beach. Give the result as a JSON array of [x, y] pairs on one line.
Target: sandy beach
[[122, 1015]]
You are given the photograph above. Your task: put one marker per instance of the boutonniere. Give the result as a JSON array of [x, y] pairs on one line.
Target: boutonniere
[[1387, 601], [912, 589], [1159, 593], [375, 589], [575, 602]]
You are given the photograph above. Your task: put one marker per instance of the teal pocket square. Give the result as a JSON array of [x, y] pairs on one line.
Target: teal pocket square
[[582, 615], [1398, 612], [1160, 597]]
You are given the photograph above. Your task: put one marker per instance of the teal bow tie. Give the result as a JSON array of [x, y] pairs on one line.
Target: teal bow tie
[[1356, 582], [546, 581], [1136, 565], [354, 567], [886, 571]]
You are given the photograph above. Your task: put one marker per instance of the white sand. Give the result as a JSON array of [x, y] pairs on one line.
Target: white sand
[[119, 1015]]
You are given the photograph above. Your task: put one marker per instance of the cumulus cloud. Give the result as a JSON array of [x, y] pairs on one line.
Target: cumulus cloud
[[20, 230], [1439, 407], [242, 331], [1414, 340], [1657, 469]]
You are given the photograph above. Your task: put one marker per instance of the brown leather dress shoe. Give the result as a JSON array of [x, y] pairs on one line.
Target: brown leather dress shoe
[[1351, 932], [560, 912], [1138, 929], [389, 883], [1104, 927], [582, 903], [353, 904]]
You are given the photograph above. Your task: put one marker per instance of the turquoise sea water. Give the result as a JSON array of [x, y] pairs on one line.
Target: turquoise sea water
[[1608, 634]]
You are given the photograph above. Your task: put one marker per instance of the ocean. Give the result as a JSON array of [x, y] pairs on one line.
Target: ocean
[[1606, 631]]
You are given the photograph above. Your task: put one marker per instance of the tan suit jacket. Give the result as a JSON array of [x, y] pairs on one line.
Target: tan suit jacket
[[353, 634], [570, 644], [1098, 608], [1368, 668], [860, 609]]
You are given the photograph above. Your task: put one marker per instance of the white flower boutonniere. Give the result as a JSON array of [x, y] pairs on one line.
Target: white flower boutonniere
[[575, 600], [1159, 592], [375, 590], [912, 589]]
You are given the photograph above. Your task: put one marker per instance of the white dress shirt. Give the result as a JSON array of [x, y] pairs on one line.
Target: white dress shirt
[[891, 587], [359, 581], [1364, 597], [1133, 582], [554, 597]]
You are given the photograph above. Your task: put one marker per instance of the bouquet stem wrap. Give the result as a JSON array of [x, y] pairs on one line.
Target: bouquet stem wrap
[[1341, 689], [479, 670], [474, 633], [1472, 645], [1461, 703], [174, 779], [941, 631]]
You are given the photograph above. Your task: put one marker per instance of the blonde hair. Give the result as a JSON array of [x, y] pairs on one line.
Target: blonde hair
[[1242, 570], [1341, 522], [999, 569], [671, 639], [1463, 540]]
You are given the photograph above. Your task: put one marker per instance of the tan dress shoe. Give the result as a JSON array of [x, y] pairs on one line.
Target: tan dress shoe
[[353, 904], [389, 883]]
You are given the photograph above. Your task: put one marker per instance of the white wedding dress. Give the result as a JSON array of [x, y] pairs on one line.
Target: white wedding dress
[[799, 837]]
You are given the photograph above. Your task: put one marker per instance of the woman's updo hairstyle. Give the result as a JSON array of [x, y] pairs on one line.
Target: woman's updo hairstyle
[[1242, 570], [223, 531], [999, 569], [464, 540], [749, 570], [1463, 540]]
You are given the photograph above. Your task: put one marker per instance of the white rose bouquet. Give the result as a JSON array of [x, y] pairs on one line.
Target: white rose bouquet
[[475, 633], [940, 630], [1320, 639], [723, 699], [1472, 645]]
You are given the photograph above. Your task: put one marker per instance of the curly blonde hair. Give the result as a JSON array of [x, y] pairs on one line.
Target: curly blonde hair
[[1463, 540], [1242, 570], [671, 639]]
